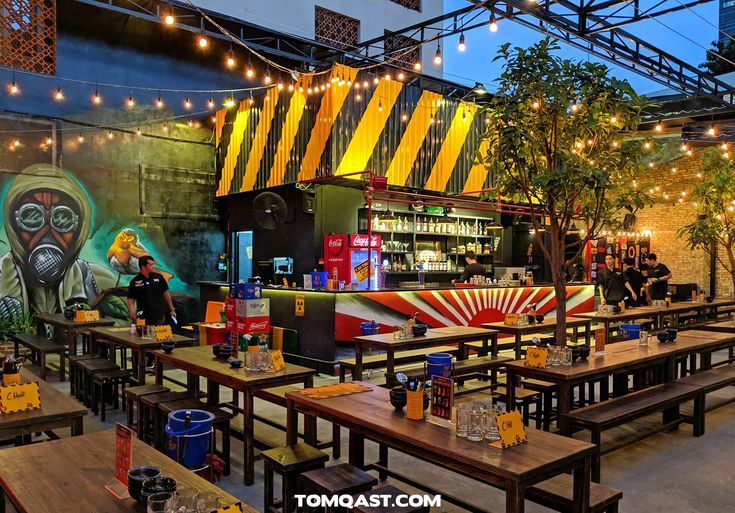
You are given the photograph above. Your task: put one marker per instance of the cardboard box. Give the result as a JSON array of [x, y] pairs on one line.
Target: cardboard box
[[230, 325], [230, 305], [252, 307], [253, 340], [253, 324], [248, 291], [233, 291]]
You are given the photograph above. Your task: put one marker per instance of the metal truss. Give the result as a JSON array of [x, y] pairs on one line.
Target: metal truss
[[591, 26]]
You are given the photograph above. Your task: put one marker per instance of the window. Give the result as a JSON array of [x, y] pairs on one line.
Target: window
[[336, 29], [403, 59], [28, 35], [414, 5]]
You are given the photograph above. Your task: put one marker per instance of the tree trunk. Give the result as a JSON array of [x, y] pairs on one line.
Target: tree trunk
[[560, 292], [731, 270]]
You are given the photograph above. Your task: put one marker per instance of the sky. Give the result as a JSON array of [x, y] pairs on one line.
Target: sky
[[475, 63]]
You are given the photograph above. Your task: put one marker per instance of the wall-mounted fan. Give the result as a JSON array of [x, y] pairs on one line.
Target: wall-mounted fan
[[270, 210]]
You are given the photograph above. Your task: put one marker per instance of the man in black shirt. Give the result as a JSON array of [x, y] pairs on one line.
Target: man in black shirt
[[658, 277], [613, 287], [472, 269], [634, 279], [148, 293]]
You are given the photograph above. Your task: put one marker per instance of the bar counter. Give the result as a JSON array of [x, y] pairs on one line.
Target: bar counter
[[331, 317]]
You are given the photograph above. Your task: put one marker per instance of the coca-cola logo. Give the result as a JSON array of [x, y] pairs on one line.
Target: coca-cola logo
[[335, 245], [362, 241], [262, 325]]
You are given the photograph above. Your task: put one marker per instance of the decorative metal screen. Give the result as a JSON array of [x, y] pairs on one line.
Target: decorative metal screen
[[409, 4], [336, 29], [404, 59], [28, 35], [177, 193]]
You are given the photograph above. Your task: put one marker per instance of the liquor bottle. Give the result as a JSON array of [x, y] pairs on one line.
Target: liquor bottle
[[417, 225], [405, 224], [432, 226], [376, 222], [404, 266], [399, 225]]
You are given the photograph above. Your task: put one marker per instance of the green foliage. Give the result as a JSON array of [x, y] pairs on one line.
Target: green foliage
[[19, 324], [715, 64], [555, 138], [113, 306]]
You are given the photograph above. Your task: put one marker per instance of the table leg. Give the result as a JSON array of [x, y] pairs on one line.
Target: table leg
[[575, 333], [77, 426], [212, 390], [357, 373], [141, 364], [2, 500], [309, 420], [515, 498], [494, 344], [518, 346], [564, 405], [357, 450], [159, 372], [71, 341], [248, 437], [510, 378], [462, 350], [588, 333], [607, 332], [581, 488], [292, 423], [390, 365], [92, 344]]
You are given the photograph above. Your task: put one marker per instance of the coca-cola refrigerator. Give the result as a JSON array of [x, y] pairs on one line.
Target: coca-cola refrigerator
[[346, 258]]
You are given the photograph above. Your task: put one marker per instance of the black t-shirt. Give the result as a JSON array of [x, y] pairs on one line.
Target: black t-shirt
[[473, 270], [613, 285], [635, 278], [148, 295], [658, 289]]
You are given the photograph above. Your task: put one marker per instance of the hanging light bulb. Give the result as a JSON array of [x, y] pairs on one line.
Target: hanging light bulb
[[249, 71], [689, 153], [109, 134], [357, 85], [230, 57], [267, 78], [711, 131], [49, 141], [210, 103], [613, 119], [432, 120], [535, 105], [387, 77], [323, 87], [659, 127], [290, 86], [309, 91], [159, 101], [724, 146], [404, 117], [165, 127], [131, 101], [365, 84], [190, 122], [401, 76], [575, 107], [417, 66], [14, 89], [96, 98], [202, 40], [438, 55], [168, 17], [647, 145], [138, 132], [80, 138], [358, 97], [615, 144], [301, 89], [251, 101], [461, 46], [230, 102], [673, 170], [380, 106], [187, 103], [376, 81], [279, 84], [493, 23], [58, 95]]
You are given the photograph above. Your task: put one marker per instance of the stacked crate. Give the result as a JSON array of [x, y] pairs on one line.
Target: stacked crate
[[248, 319]]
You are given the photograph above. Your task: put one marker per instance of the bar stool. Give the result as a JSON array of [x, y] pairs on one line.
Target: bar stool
[[221, 423], [75, 375], [289, 462], [149, 414], [393, 492], [111, 380], [524, 399], [132, 402], [547, 391], [85, 368], [337, 480]]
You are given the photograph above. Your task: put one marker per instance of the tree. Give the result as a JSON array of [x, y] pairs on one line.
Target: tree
[[714, 198], [715, 64], [555, 145]]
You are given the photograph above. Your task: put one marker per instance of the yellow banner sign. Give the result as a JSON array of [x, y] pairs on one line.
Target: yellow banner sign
[[511, 319], [23, 397], [163, 333], [511, 428], [300, 306], [362, 271], [279, 363], [536, 357], [87, 316]]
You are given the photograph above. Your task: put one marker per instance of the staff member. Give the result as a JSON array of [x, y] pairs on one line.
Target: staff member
[[472, 269], [613, 287], [633, 281], [148, 294], [658, 277]]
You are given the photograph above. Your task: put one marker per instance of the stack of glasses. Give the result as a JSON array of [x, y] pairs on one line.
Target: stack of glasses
[[559, 356], [476, 421]]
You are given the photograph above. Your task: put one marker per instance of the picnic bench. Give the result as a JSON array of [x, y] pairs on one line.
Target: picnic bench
[[40, 347]]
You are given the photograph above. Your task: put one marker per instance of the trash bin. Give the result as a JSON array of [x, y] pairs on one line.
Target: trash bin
[[438, 364], [188, 434], [630, 331]]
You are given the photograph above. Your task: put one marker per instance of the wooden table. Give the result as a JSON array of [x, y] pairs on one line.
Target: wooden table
[[433, 337], [370, 415], [199, 362], [57, 411], [548, 326], [643, 312], [621, 357], [70, 327], [122, 337], [69, 476]]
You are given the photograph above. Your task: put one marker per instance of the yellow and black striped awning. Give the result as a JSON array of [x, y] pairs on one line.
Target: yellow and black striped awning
[[416, 138]]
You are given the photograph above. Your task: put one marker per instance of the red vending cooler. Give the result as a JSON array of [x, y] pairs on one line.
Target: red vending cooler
[[347, 257]]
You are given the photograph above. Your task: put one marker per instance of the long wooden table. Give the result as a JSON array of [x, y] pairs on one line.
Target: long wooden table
[[69, 476], [548, 326], [433, 337], [69, 326], [370, 415], [57, 411], [122, 337], [621, 357], [199, 362]]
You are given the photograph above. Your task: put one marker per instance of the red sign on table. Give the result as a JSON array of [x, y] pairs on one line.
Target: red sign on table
[[123, 453], [442, 397]]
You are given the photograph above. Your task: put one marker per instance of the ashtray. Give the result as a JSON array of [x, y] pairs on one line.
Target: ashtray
[[235, 363]]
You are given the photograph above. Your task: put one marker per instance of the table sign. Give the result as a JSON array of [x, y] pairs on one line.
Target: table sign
[[511, 319], [278, 363], [87, 316], [123, 462], [511, 428], [163, 332], [442, 397], [20, 397], [361, 271], [536, 357]]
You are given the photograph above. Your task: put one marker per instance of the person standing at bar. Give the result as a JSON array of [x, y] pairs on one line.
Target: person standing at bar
[[658, 278], [613, 287], [472, 269], [633, 282]]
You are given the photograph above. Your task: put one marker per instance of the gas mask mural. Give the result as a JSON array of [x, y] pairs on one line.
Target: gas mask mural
[[47, 221]]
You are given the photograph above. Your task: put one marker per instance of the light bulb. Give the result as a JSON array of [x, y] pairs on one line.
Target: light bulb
[[647, 145], [493, 23], [358, 97], [724, 146], [58, 96], [711, 131], [165, 127], [401, 76], [190, 123], [417, 66], [210, 103], [279, 85], [689, 153], [251, 101], [249, 71], [613, 119], [290, 87], [673, 170], [230, 102], [376, 81], [137, 131], [365, 84], [131, 101], [96, 98], [159, 102], [574, 107], [80, 138], [615, 144], [535, 105], [323, 87], [202, 40], [404, 117], [380, 107], [461, 46], [49, 141], [14, 87], [230, 58], [267, 78], [187, 103], [169, 19], [438, 55], [659, 127], [109, 134]]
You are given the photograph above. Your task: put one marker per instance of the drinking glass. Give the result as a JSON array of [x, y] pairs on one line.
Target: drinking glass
[[207, 501], [643, 340], [249, 360], [397, 334], [474, 426], [151, 332], [566, 358], [553, 358], [463, 411], [163, 502], [491, 425], [186, 500]]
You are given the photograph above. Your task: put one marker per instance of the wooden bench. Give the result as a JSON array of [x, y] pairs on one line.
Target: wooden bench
[[615, 412], [377, 361], [557, 494], [40, 346], [711, 380], [466, 369]]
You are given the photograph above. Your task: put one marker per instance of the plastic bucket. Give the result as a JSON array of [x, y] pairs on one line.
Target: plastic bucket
[[215, 335], [439, 364], [369, 328], [630, 331], [191, 429]]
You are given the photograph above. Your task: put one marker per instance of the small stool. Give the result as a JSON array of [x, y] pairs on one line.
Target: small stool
[[221, 423], [547, 391], [149, 414], [393, 492], [132, 402], [108, 380], [337, 480], [75, 376], [524, 399], [289, 462], [85, 368]]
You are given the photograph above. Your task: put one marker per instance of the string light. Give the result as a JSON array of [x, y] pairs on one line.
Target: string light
[[49, 141], [290, 87], [535, 105], [168, 18], [659, 127], [404, 117], [724, 146], [689, 153], [711, 131], [267, 77], [387, 77], [109, 135], [138, 132], [230, 57], [673, 170], [159, 101], [187, 103], [251, 101], [322, 87], [365, 84], [190, 122], [575, 108], [358, 97], [401, 76], [493, 23], [210, 103], [165, 127], [613, 119], [58, 96], [417, 65], [647, 145], [461, 46], [438, 55], [279, 84], [249, 71], [14, 86], [380, 106], [131, 101], [376, 81], [615, 144], [684, 147], [80, 138], [309, 91], [96, 98], [230, 102]]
